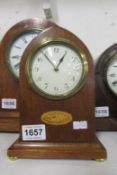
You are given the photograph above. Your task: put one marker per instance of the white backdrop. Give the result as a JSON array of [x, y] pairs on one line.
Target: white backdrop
[[93, 21]]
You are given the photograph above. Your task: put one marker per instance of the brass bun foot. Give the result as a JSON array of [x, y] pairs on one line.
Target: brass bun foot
[[13, 158], [100, 160]]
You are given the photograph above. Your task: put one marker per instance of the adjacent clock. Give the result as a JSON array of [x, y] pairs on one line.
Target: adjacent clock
[[57, 99], [106, 90], [11, 50]]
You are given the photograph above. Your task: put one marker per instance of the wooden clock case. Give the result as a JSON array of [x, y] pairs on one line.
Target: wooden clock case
[[9, 86], [61, 141], [104, 97]]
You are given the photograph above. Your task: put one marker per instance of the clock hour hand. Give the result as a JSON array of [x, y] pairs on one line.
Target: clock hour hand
[[60, 61], [114, 83], [48, 59], [17, 65]]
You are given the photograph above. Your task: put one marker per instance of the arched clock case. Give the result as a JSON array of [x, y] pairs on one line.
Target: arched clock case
[[57, 99], [12, 47]]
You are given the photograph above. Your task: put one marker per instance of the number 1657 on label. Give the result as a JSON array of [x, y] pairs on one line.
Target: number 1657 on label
[[33, 132]]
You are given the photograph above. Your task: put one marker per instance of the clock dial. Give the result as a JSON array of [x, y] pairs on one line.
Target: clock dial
[[57, 70], [17, 48], [111, 74]]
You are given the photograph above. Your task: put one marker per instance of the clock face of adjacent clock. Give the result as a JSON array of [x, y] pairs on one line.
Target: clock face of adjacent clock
[[111, 74], [57, 69], [16, 49]]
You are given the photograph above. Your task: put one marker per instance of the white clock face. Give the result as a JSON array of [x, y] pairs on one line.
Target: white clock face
[[112, 75], [57, 70], [17, 49]]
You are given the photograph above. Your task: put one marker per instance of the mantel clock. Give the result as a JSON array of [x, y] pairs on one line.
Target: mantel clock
[[11, 50], [57, 99], [106, 90]]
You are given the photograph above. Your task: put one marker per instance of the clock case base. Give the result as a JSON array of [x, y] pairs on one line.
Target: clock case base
[[106, 124], [87, 150], [9, 121]]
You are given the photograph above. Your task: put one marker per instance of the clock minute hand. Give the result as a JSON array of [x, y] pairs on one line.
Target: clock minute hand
[[60, 61], [48, 59]]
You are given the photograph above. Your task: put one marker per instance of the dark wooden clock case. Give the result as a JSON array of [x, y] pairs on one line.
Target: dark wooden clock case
[[62, 141], [9, 86], [104, 97]]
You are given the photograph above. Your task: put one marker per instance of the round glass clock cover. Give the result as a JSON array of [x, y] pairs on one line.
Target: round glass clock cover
[[17, 48], [111, 74], [57, 70]]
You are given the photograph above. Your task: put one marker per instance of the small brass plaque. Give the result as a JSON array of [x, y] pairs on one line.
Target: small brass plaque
[[56, 118]]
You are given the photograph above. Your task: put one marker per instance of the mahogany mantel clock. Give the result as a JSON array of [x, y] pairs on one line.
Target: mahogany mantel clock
[[106, 90], [11, 50], [57, 99]]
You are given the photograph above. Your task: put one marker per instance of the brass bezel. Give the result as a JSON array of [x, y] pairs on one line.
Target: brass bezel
[[105, 73], [7, 59], [44, 43]]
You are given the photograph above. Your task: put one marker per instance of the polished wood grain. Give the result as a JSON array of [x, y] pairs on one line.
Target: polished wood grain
[[79, 106], [104, 97], [87, 150], [63, 140], [9, 86], [9, 121]]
